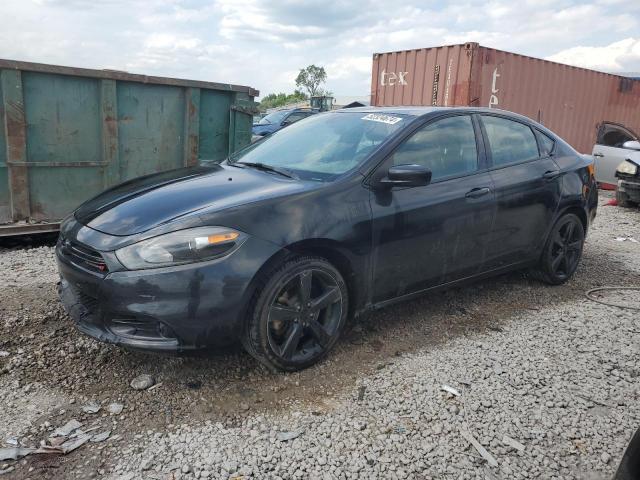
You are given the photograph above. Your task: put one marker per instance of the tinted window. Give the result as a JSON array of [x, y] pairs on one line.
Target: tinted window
[[510, 142], [275, 118], [546, 144], [294, 117], [447, 147]]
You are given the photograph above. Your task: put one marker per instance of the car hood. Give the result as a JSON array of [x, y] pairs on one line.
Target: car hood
[[147, 202]]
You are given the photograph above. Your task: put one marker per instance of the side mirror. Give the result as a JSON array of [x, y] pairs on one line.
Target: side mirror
[[406, 176], [631, 145]]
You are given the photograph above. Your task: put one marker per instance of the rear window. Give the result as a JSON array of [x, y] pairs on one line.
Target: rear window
[[273, 118], [510, 142], [546, 144]]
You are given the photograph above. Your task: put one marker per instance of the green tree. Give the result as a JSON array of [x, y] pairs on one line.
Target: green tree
[[274, 100], [311, 78]]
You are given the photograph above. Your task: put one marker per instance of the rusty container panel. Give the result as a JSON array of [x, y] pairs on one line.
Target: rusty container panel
[[69, 133], [162, 112], [428, 76], [571, 101]]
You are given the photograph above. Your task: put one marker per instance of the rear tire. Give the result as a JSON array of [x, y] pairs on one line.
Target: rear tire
[[296, 315], [562, 252]]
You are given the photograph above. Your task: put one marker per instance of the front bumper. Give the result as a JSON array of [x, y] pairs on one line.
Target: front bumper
[[630, 185], [171, 309]]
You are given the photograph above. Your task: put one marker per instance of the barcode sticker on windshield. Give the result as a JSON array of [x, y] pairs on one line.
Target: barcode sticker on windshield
[[377, 117]]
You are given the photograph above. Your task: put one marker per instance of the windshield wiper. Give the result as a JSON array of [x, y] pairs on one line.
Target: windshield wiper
[[268, 168]]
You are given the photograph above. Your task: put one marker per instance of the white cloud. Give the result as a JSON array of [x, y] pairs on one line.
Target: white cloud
[[622, 56], [264, 44], [173, 42]]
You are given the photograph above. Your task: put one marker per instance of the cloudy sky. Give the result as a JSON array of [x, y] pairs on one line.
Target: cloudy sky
[[264, 43]]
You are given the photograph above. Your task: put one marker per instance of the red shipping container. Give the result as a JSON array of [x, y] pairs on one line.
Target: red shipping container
[[571, 101]]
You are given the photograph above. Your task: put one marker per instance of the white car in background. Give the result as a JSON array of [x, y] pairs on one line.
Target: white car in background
[[610, 151]]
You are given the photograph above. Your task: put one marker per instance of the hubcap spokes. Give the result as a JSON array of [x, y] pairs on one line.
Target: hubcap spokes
[[565, 254], [304, 316]]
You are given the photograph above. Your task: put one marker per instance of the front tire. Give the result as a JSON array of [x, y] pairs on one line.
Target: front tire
[[562, 252], [297, 314]]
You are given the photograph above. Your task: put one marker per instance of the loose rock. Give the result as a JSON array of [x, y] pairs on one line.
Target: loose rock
[[142, 382], [115, 408]]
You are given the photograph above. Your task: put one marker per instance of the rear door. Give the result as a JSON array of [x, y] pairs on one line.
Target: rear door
[[608, 151], [527, 185]]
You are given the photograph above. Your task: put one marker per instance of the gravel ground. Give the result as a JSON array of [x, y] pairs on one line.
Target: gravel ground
[[556, 374]]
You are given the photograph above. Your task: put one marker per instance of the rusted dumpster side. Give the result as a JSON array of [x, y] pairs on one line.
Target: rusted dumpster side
[[69, 133]]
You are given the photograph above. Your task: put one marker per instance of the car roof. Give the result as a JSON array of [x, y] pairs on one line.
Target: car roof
[[294, 109], [418, 111]]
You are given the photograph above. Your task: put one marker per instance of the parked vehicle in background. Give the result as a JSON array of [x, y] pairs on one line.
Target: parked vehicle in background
[[610, 150], [345, 212], [274, 121], [570, 101], [628, 175], [67, 134], [322, 103]]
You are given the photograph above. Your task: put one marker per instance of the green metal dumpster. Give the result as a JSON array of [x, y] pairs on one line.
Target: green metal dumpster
[[68, 133]]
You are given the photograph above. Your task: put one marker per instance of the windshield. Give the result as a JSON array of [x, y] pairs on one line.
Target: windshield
[[275, 117], [324, 146]]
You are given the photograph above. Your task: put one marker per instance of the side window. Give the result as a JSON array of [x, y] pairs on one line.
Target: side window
[[447, 147], [546, 144], [510, 142], [294, 117], [611, 135]]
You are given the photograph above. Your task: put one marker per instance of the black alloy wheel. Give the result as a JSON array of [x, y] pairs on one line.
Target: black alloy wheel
[[563, 251], [298, 315]]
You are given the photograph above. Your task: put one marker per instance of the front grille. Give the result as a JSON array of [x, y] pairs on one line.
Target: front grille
[[631, 187], [83, 255], [627, 177], [140, 328]]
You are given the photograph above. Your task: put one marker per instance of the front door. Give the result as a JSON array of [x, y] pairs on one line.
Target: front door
[[431, 235]]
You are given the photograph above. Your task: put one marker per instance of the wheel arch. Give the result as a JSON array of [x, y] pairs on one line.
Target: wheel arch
[[336, 254], [578, 211], [575, 209]]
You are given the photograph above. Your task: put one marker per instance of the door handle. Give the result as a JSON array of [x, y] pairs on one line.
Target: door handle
[[478, 192], [551, 174], [598, 154]]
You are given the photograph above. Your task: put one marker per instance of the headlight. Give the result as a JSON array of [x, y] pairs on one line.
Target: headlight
[[184, 246], [628, 168]]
